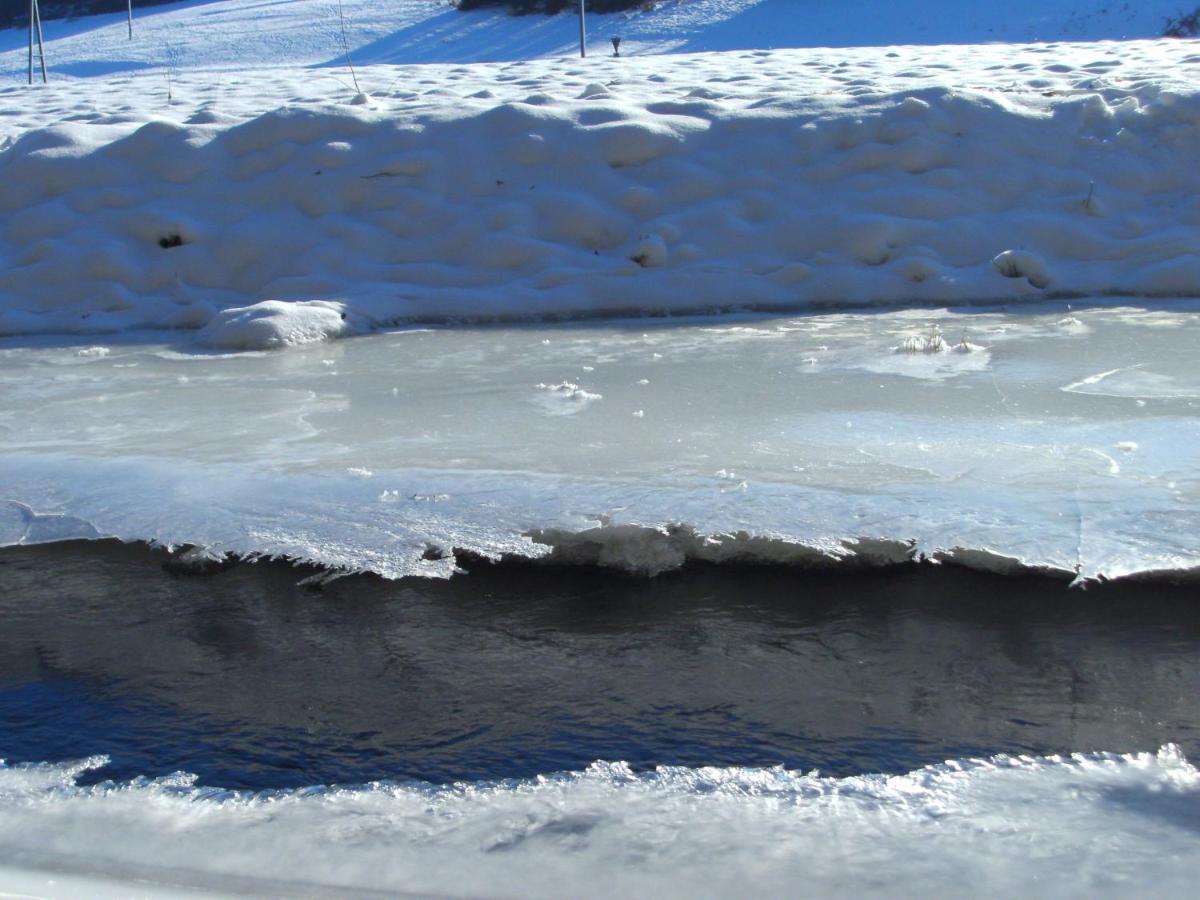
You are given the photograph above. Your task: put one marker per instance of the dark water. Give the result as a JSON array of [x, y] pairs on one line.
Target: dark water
[[250, 680]]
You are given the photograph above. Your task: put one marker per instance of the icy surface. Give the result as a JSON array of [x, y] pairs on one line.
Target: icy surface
[[785, 179], [1052, 437], [998, 827]]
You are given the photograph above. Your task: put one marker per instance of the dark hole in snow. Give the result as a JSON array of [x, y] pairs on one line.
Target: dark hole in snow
[[433, 553], [169, 241]]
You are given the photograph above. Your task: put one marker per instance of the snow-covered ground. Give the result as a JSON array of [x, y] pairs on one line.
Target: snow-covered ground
[[778, 179], [250, 34], [222, 176]]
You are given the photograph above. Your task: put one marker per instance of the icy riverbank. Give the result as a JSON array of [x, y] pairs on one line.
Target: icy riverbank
[[999, 827], [785, 179], [1045, 438]]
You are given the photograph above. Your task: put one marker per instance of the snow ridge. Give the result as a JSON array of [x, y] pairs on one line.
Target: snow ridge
[[781, 180]]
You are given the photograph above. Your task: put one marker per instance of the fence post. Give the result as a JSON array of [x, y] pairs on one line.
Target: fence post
[[41, 44], [35, 26], [582, 31]]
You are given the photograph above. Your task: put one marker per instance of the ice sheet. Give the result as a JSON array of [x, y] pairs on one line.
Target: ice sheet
[[795, 439], [1086, 825]]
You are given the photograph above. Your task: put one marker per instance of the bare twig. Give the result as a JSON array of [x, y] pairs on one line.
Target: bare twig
[[346, 46]]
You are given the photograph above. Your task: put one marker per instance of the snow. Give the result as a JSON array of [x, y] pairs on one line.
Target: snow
[[173, 195], [228, 176], [783, 180], [995, 827], [309, 32], [273, 324], [256, 207]]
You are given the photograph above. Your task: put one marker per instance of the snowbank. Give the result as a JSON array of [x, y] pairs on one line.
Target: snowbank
[[782, 179]]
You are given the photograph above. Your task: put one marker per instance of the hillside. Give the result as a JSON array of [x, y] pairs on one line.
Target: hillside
[[247, 33]]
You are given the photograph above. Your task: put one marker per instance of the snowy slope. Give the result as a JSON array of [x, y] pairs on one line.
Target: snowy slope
[[251, 34]]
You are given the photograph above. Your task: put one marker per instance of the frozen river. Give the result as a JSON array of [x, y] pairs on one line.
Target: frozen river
[[1054, 437], [550, 731]]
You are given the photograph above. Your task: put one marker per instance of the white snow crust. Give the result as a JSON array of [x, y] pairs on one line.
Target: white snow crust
[[1006, 826], [785, 179]]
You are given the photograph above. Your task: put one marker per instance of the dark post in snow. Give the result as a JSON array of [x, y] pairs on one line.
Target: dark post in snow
[[35, 23], [616, 46], [582, 32], [131, 20]]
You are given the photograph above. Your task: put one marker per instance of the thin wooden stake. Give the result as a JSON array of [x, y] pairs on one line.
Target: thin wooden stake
[[582, 31], [41, 46], [35, 27]]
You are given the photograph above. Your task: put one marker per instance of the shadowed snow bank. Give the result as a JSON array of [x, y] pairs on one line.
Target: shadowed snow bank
[[790, 179]]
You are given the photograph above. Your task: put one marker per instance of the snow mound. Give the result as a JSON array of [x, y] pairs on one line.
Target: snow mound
[[1023, 264], [274, 324], [774, 180]]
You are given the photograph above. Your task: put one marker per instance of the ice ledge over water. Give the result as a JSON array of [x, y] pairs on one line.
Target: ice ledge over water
[[344, 527], [782, 179]]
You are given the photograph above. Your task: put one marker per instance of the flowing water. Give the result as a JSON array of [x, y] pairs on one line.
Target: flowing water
[[249, 679]]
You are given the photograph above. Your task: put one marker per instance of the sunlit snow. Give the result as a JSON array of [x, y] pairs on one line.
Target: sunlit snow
[[357, 252]]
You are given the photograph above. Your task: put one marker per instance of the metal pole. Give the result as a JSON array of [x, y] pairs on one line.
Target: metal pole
[[582, 31], [32, 7], [41, 46], [131, 20]]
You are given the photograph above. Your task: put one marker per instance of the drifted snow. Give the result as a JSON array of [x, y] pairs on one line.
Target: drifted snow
[[1004, 826], [773, 179], [272, 324]]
